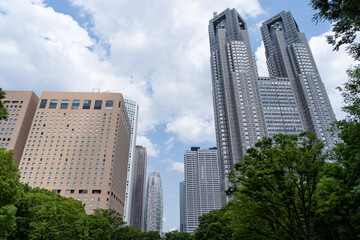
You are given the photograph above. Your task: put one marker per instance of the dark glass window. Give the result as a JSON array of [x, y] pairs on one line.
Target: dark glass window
[[119, 105], [109, 104], [64, 104], [83, 191], [53, 103], [86, 104], [98, 104], [75, 104], [43, 103]]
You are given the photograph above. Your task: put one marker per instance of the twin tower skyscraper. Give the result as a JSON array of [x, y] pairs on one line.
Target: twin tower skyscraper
[[248, 107]]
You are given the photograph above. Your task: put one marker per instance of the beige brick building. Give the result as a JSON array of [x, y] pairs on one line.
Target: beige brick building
[[78, 146], [14, 130]]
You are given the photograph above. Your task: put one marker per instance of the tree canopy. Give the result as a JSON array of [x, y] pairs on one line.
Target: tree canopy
[[344, 14]]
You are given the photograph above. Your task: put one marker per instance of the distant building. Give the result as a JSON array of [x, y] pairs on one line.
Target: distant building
[[14, 130], [202, 185], [182, 207], [154, 204], [78, 146], [138, 193], [133, 111]]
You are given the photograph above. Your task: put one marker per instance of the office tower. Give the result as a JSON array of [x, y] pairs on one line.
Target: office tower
[[202, 185], [78, 147], [247, 107], [153, 220], [289, 56], [14, 130], [239, 117], [182, 207], [133, 110], [138, 193]]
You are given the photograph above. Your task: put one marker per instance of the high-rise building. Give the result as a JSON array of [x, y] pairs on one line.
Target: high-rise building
[[202, 185], [247, 107], [138, 193], [289, 56], [153, 220], [133, 111], [14, 130], [182, 207], [239, 117], [78, 147]]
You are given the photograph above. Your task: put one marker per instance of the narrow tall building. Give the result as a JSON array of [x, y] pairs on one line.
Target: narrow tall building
[[247, 107], [239, 118], [202, 185], [78, 147], [138, 193], [133, 111], [289, 55], [153, 220], [182, 206], [15, 129]]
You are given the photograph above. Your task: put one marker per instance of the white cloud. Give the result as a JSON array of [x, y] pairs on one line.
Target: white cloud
[[151, 149], [261, 60], [332, 66], [174, 166], [170, 143], [191, 129]]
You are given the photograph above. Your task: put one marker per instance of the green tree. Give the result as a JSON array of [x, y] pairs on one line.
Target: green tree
[[130, 233], [344, 14], [215, 225], [276, 186], [114, 219], [347, 153], [151, 235], [99, 227], [178, 236], [11, 192], [47, 215], [3, 109]]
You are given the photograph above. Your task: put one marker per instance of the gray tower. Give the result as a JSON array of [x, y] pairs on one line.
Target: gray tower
[[182, 207], [138, 193], [288, 55], [239, 118], [132, 109], [154, 204], [202, 190]]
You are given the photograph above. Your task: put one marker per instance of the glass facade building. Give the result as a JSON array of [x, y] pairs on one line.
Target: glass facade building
[[153, 220]]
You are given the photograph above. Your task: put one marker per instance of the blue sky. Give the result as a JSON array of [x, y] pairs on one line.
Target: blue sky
[[156, 52]]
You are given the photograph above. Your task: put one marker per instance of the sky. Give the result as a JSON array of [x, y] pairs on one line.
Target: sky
[[155, 52]]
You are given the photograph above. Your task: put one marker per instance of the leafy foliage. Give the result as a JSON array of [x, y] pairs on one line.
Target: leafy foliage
[[344, 14], [3, 109], [178, 236]]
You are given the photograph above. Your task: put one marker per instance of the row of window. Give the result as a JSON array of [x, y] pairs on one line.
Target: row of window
[[76, 104]]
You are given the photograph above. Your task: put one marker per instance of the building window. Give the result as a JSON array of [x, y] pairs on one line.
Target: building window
[[53, 103], [64, 104], [109, 104], [75, 104], [43, 103], [86, 104], [98, 104]]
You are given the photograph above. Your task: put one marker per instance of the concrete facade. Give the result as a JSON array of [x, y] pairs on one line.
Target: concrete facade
[[78, 147], [14, 130], [138, 193]]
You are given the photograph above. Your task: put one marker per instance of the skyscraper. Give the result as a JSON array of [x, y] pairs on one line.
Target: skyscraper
[[247, 107], [133, 110], [182, 206], [154, 204], [138, 193], [239, 118], [78, 147], [202, 185], [14, 130], [289, 56]]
